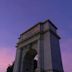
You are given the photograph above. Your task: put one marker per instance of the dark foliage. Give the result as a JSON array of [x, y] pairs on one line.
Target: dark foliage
[[10, 68]]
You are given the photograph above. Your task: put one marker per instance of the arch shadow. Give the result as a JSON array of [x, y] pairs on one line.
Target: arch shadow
[[29, 63]]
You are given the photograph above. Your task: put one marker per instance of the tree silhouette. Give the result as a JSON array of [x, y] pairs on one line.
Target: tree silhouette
[[10, 68]]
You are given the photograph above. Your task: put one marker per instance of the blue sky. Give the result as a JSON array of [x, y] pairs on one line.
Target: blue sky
[[17, 16]]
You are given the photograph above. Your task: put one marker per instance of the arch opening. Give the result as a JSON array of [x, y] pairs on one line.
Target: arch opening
[[30, 61]]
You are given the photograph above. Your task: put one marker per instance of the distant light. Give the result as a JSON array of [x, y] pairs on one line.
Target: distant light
[[36, 57]]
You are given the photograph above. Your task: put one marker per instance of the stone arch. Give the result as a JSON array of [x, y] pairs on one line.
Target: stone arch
[[29, 63], [47, 46]]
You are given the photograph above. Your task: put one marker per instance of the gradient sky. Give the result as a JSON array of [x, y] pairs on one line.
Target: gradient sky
[[17, 16]]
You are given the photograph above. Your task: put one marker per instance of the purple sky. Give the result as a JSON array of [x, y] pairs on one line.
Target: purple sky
[[17, 16]]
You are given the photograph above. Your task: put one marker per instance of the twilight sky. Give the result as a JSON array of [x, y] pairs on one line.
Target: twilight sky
[[17, 16]]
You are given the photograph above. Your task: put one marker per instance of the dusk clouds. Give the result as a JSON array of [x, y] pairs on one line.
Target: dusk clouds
[[66, 44], [66, 50], [67, 61], [7, 56]]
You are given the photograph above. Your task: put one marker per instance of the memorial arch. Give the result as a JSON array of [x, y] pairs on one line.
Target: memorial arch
[[38, 49]]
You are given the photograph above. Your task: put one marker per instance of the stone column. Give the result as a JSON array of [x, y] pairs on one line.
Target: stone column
[[22, 60], [52, 55], [17, 64], [41, 49]]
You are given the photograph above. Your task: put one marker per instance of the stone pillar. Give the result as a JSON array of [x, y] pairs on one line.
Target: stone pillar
[[41, 48], [17, 64], [52, 55], [25, 49]]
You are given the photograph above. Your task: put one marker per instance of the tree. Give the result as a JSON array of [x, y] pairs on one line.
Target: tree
[[10, 68]]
